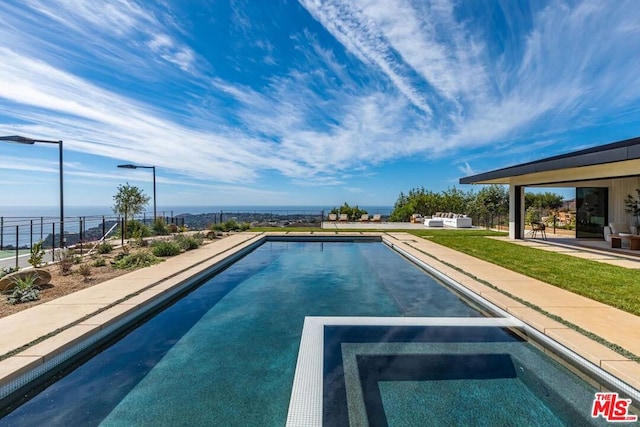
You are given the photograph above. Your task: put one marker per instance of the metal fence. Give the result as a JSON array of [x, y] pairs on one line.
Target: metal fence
[[272, 217], [18, 234]]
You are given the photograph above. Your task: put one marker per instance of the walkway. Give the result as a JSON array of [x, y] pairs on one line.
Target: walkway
[[69, 319]]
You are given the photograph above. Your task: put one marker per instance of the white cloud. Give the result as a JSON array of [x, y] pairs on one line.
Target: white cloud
[[466, 169], [363, 39], [418, 80]]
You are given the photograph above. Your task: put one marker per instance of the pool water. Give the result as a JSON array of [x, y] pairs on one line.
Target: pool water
[[225, 354], [446, 375]]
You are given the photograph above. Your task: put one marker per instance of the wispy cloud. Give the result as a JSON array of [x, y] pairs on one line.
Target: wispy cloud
[[466, 169], [422, 79]]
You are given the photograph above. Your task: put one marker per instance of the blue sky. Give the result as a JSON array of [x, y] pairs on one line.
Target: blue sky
[[309, 102]]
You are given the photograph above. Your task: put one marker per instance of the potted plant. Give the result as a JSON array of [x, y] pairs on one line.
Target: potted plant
[[632, 205]]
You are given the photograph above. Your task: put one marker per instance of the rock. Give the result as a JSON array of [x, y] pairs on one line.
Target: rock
[[8, 281]]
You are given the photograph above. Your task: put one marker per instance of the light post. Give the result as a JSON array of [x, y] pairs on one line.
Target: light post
[[30, 141], [153, 168]]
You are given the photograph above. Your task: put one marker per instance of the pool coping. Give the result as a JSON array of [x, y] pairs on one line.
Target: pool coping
[[47, 330]]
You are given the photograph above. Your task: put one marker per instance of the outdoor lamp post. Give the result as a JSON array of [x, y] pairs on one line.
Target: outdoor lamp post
[[153, 168], [30, 141]]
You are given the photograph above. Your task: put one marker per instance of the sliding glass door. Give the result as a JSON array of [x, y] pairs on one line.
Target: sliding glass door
[[591, 211]]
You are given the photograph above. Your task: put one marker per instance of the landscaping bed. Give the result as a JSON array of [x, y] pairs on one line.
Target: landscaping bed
[[85, 272]]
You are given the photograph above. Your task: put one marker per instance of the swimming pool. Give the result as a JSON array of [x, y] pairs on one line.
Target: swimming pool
[[227, 352]]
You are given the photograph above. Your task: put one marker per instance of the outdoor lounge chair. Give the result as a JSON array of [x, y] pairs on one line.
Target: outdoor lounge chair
[[364, 218], [416, 219], [343, 218], [376, 218], [333, 217]]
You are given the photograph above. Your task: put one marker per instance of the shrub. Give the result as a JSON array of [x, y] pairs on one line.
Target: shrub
[[188, 243], [138, 239], [105, 248], [212, 235], [136, 228], [37, 254], [25, 290], [172, 228], [99, 262], [164, 248], [66, 259], [160, 227], [8, 270], [85, 271], [136, 260], [230, 225]]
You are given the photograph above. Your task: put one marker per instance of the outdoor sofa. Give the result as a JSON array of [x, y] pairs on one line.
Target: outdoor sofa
[[617, 228], [450, 219], [433, 222]]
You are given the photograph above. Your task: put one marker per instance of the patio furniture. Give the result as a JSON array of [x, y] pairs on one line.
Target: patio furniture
[[376, 218], [364, 218], [343, 218], [538, 227], [416, 218], [333, 217], [449, 219], [634, 241], [433, 222]]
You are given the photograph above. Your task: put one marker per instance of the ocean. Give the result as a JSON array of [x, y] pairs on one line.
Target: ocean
[[87, 211]]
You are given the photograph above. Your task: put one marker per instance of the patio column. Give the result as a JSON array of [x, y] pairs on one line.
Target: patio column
[[516, 211]]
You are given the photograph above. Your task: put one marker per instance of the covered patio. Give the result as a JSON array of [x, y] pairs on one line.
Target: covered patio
[[592, 249], [602, 176]]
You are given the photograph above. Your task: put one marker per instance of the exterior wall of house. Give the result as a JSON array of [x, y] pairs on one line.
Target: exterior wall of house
[[618, 190]]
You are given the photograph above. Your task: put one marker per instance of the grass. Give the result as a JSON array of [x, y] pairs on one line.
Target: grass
[[615, 286]]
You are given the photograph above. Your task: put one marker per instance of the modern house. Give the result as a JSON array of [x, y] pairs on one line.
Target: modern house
[[602, 177]]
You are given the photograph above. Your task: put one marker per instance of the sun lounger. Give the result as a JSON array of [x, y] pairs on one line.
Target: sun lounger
[[333, 217], [376, 218], [364, 218], [343, 218]]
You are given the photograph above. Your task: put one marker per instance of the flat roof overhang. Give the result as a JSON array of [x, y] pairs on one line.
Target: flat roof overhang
[[616, 160]]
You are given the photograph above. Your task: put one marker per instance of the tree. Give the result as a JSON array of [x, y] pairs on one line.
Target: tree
[[427, 203], [129, 201], [545, 201], [493, 200]]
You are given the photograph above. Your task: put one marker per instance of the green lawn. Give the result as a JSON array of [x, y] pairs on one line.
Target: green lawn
[[615, 286]]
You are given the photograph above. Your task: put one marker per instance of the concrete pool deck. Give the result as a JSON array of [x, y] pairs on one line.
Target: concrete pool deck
[[35, 335]]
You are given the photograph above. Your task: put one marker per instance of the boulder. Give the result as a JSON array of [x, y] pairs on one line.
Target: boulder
[[8, 281]]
